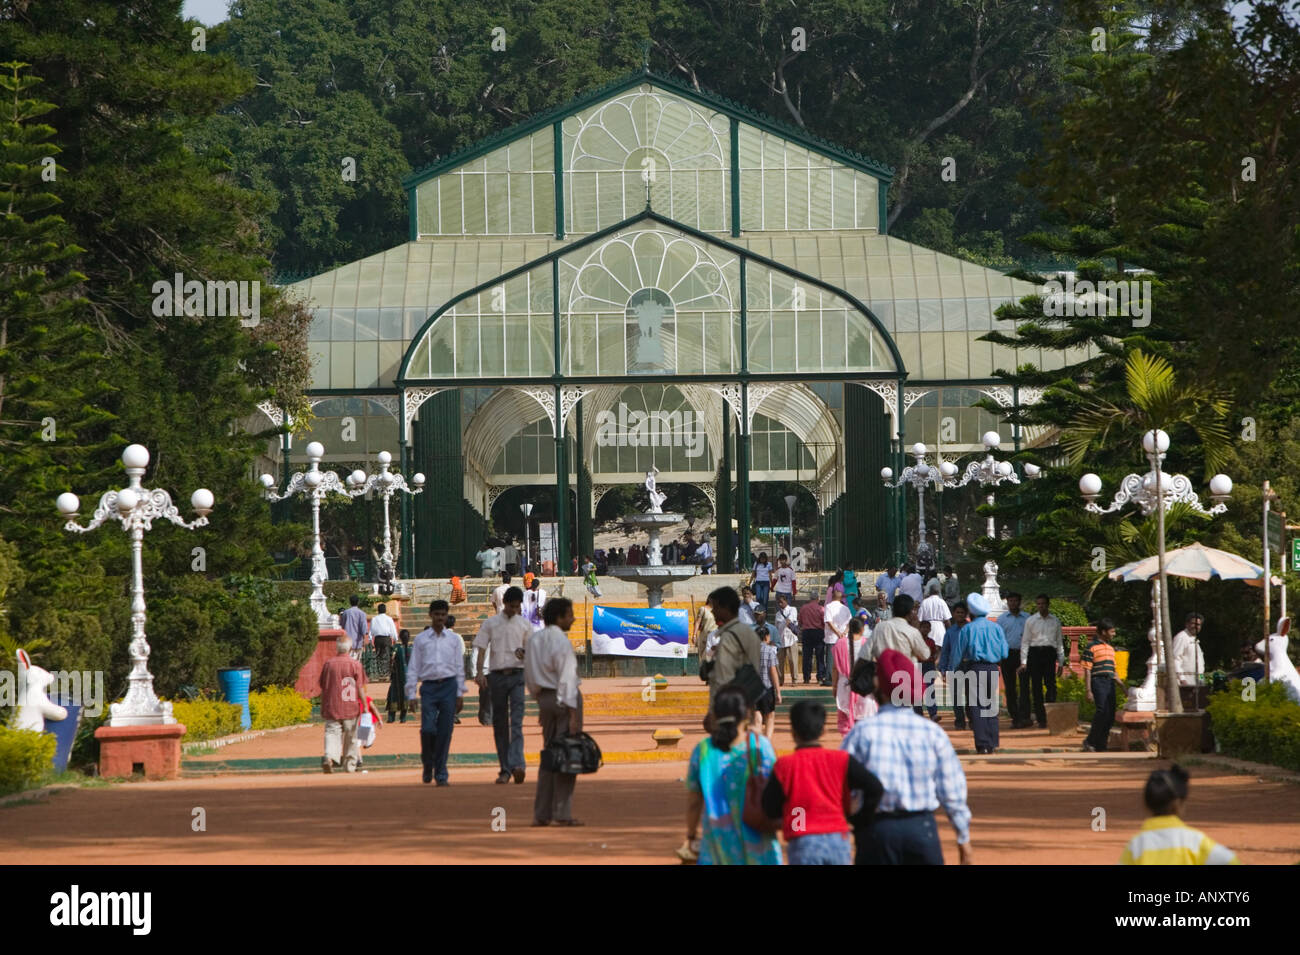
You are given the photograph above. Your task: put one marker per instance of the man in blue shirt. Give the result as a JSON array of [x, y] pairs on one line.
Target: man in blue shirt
[[1014, 683], [887, 583], [947, 665], [979, 648], [354, 623]]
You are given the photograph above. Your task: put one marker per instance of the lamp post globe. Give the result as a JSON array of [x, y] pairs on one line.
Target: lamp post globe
[[1220, 486], [919, 448], [991, 439], [68, 504], [886, 474], [948, 470], [312, 478], [1155, 442], [202, 501], [385, 457], [1032, 471], [1090, 485], [418, 480], [136, 456], [267, 481], [315, 450], [127, 500]]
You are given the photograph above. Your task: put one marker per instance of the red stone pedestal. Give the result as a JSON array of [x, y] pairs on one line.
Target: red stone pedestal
[[308, 682], [155, 748]]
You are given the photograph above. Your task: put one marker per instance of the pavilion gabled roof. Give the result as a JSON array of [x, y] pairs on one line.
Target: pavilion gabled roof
[[714, 101]]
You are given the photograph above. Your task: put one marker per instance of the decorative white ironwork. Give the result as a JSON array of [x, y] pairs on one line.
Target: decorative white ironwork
[[546, 398], [912, 395], [1031, 395], [757, 395], [316, 485], [729, 391], [388, 403], [888, 391], [1004, 395], [412, 398], [272, 411], [570, 395], [597, 492], [387, 483], [918, 475], [1140, 489], [494, 491], [136, 507], [711, 492]]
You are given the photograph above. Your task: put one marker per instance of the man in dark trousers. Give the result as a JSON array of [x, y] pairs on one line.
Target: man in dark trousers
[[551, 672], [437, 673], [1014, 682], [1098, 659], [981, 646], [500, 642], [812, 635]]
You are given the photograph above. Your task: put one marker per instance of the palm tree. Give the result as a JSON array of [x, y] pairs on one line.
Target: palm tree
[[1156, 400]]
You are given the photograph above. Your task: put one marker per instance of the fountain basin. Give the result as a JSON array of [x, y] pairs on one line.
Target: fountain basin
[[654, 578]]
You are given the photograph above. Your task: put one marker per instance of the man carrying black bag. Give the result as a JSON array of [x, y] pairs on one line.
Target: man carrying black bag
[[551, 675], [734, 646]]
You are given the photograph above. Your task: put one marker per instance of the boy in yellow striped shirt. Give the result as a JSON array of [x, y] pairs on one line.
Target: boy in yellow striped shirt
[[1165, 839]]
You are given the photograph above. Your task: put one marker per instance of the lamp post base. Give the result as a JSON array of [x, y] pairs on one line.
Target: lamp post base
[[153, 750]]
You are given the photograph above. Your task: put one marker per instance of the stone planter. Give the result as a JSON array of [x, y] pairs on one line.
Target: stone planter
[[1062, 718], [1178, 734]]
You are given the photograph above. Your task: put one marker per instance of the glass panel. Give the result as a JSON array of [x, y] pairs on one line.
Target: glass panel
[[343, 326], [449, 192], [367, 364], [367, 324], [342, 372], [319, 329]]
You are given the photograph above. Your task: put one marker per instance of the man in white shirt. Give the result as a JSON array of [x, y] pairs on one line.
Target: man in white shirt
[[786, 623], [551, 673], [534, 601], [487, 558], [936, 613], [501, 642], [785, 579], [749, 607], [1042, 654], [911, 583], [383, 631], [1189, 661], [899, 633], [437, 673], [498, 593], [835, 628]]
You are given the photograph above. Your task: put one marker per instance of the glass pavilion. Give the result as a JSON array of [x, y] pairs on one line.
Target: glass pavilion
[[651, 275]]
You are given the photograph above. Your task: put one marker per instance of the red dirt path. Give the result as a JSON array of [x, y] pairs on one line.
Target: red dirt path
[[1036, 811]]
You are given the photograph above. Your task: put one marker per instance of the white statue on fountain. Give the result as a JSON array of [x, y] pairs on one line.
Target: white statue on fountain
[[1142, 699], [657, 498]]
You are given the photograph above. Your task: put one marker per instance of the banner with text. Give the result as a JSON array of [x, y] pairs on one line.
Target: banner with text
[[639, 631]]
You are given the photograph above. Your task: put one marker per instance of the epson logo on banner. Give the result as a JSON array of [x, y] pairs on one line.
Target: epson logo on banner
[[652, 429]]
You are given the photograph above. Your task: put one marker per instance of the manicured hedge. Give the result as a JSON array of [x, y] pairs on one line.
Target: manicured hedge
[[278, 706], [25, 758], [1263, 730], [207, 719]]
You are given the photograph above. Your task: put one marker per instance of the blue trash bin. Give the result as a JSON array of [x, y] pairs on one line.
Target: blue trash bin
[[234, 683], [64, 732]]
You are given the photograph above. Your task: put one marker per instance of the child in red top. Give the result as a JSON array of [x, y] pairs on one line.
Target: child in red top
[[809, 791]]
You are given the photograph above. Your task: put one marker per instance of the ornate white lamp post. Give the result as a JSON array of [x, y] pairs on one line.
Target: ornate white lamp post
[[136, 508], [1158, 492], [315, 483], [387, 483], [919, 475], [988, 472]]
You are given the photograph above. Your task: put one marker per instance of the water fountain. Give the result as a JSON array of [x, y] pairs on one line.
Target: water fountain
[[654, 574]]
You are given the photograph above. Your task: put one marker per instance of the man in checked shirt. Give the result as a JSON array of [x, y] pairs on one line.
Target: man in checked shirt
[[918, 768]]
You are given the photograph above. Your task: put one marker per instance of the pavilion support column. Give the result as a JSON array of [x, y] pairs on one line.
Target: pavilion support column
[[586, 533], [722, 512], [742, 479], [561, 493]]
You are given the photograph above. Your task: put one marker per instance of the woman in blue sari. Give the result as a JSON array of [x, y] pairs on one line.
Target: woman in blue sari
[[720, 767]]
